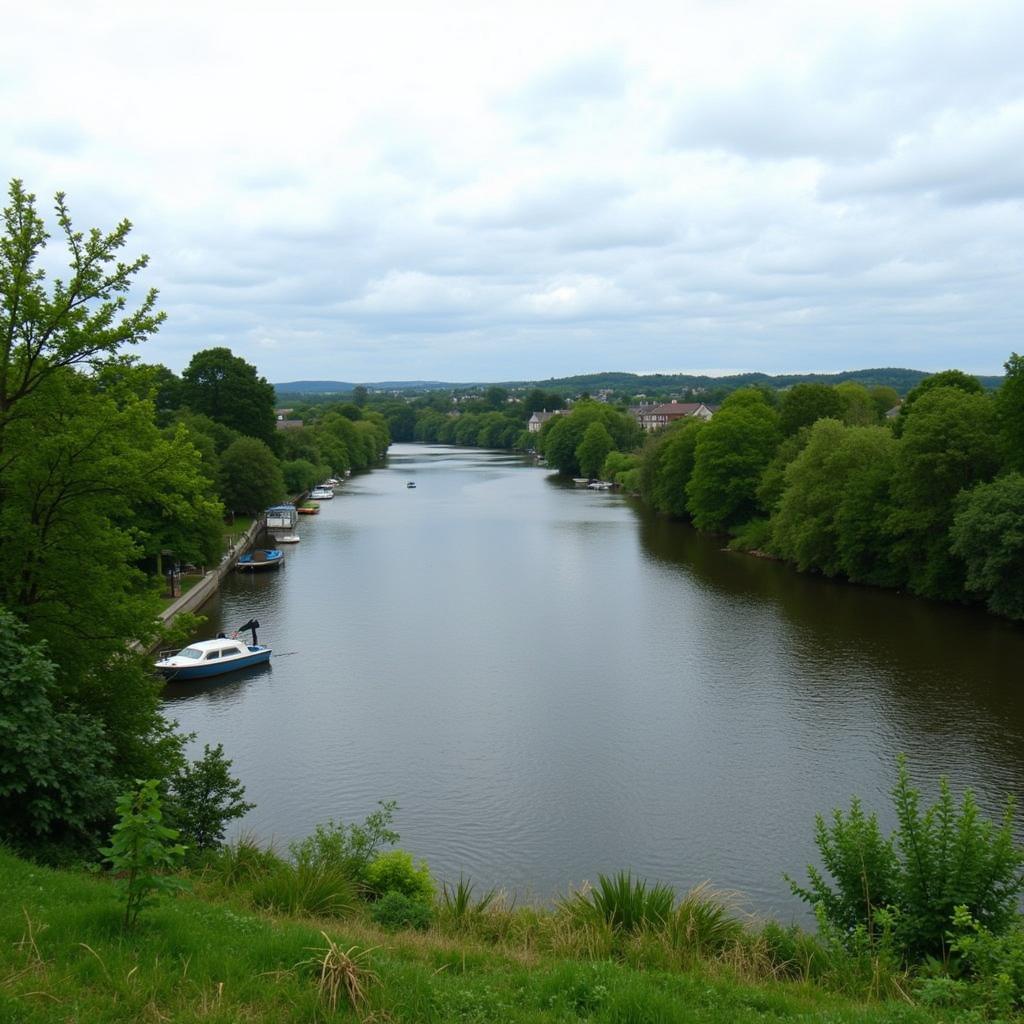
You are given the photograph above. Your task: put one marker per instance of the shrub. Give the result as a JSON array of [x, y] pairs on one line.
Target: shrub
[[936, 860], [702, 923], [394, 871], [395, 910], [622, 903], [241, 862], [351, 846]]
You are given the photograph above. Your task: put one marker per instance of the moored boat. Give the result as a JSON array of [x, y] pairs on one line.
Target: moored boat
[[211, 658], [289, 538], [308, 508], [322, 493], [261, 559]]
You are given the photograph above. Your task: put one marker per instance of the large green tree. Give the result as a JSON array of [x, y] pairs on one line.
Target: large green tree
[[250, 476], [560, 437], [804, 404], [988, 534], [1010, 410], [594, 449], [948, 445], [944, 379], [731, 453], [226, 388]]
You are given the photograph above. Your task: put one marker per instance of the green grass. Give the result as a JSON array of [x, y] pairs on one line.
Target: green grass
[[210, 956]]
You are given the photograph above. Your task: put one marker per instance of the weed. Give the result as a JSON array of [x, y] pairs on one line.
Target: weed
[[343, 975]]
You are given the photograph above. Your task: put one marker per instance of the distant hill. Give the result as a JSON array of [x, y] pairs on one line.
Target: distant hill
[[895, 377]]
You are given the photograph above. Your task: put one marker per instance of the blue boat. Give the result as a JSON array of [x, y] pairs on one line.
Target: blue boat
[[259, 559], [211, 658]]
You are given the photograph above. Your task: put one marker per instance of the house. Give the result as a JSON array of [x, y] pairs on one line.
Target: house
[[538, 419], [654, 417]]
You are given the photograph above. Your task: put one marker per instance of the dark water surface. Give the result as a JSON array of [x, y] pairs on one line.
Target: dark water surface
[[553, 683]]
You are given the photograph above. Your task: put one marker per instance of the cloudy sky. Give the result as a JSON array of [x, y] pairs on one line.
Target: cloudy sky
[[493, 191]]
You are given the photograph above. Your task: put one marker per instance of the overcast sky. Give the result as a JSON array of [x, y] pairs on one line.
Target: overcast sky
[[494, 191]]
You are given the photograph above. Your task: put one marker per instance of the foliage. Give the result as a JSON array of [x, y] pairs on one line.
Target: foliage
[[936, 860], [250, 477], [204, 798], [143, 849], [731, 453], [622, 903], [988, 534], [343, 976], [394, 871], [595, 447], [81, 320], [226, 388], [957, 379], [560, 437], [396, 910], [55, 764], [993, 964], [674, 468], [947, 445], [702, 923], [804, 404], [1010, 412], [618, 462], [350, 846], [300, 475]]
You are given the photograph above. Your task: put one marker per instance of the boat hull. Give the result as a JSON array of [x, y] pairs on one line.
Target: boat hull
[[222, 667], [271, 560]]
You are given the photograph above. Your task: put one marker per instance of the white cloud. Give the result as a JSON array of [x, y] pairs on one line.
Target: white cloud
[[467, 190]]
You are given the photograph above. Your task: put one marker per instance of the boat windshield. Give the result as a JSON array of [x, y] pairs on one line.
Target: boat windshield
[[190, 652]]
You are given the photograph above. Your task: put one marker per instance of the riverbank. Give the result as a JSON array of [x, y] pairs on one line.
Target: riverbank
[[205, 956]]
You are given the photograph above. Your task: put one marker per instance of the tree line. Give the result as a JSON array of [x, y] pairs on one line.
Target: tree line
[[929, 499]]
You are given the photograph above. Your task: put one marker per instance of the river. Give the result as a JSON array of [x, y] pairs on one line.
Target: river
[[553, 683]]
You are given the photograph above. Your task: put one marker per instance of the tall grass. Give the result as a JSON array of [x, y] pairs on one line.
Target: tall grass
[[622, 903], [302, 889]]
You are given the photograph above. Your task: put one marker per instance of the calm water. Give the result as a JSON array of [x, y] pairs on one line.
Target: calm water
[[553, 683]]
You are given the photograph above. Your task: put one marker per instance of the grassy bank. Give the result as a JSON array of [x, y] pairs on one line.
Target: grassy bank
[[210, 955]]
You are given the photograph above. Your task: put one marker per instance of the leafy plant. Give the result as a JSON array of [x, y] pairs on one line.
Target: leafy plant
[[937, 859], [395, 871], [395, 910], [350, 846], [142, 848], [204, 798], [622, 903]]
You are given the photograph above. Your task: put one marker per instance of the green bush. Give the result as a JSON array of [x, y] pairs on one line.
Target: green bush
[[395, 910], [350, 847], [204, 797], [394, 871], [622, 903], [912, 882]]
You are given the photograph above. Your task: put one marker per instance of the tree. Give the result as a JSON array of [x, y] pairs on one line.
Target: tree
[[1010, 411], [593, 449], [945, 379], [360, 395], [55, 765], [226, 388], [672, 458], [731, 453], [858, 408], [561, 435], [948, 444], [988, 534], [204, 797], [82, 320], [250, 476], [804, 404]]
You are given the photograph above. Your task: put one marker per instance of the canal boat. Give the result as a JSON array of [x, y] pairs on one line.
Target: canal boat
[[322, 493], [211, 658], [289, 538], [281, 517], [308, 508], [258, 560]]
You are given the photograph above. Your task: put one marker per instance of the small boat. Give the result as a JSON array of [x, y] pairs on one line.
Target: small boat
[[322, 493], [411, 483], [281, 517], [308, 508], [213, 657], [260, 559], [289, 538]]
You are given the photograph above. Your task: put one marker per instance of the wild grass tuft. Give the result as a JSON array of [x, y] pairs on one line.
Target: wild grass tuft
[[622, 903], [343, 976], [457, 904], [703, 924], [322, 891]]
